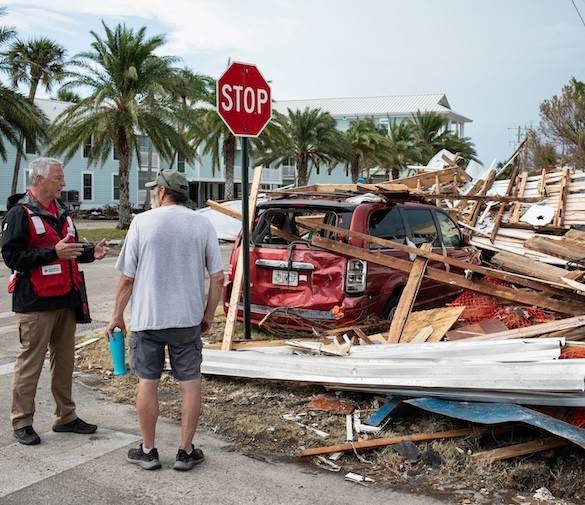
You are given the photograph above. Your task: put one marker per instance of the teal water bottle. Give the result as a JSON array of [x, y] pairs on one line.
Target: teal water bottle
[[118, 351]]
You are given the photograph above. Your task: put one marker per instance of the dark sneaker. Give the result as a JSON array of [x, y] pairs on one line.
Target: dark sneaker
[[77, 426], [186, 461], [27, 436], [147, 461]]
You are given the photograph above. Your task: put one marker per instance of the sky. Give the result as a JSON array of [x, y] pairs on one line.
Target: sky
[[495, 60]]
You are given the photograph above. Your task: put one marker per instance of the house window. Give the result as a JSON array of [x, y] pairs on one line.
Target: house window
[[87, 147], [143, 178], [318, 169], [180, 163], [29, 149], [115, 153], [87, 186], [116, 187]]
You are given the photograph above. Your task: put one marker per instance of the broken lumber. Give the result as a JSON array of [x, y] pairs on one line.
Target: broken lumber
[[559, 219], [502, 207], [536, 330], [520, 264], [454, 262], [224, 210], [489, 180], [428, 178], [408, 296], [383, 442], [566, 249], [232, 314], [441, 320], [515, 211], [452, 279], [523, 449]]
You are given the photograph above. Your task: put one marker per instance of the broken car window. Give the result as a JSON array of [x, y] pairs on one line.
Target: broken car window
[[422, 226]]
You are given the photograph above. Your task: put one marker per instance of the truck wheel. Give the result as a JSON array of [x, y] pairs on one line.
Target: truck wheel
[[391, 307]]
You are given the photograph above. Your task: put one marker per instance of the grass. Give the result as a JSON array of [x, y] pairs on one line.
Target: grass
[[96, 235]]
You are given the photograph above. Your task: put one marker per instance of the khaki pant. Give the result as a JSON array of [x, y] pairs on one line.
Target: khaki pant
[[54, 329]]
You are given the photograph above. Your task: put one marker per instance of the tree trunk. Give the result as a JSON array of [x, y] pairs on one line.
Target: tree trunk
[[302, 170], [354, 168], [149, 176], [395, 173], [19, 150], [229, 158], [125, 215]]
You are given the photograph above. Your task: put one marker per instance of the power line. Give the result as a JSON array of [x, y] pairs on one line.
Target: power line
[[581, 17]]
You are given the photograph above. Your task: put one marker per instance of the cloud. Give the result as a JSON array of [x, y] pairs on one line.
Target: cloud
[[34, 19]]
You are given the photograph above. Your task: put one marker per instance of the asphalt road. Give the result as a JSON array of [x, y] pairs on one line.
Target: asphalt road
[[72, 469]]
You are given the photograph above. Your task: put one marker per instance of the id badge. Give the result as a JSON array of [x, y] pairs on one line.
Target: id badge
[[51, 270]]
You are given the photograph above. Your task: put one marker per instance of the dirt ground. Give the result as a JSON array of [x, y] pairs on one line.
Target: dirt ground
[[250, 415]]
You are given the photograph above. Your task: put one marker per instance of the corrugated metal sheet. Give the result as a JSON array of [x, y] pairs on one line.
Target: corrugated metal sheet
[[494, 413], [398, 105]]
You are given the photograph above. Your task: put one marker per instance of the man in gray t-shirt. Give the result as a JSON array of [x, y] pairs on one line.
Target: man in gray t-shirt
[[163, 262]]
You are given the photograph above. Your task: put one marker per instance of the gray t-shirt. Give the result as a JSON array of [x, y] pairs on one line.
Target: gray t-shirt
[[166, 252]]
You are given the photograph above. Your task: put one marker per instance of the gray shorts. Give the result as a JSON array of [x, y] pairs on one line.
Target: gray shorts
[[147, 352]]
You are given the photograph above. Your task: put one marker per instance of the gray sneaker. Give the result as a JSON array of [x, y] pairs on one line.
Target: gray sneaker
[[184, 461], [147, 461]]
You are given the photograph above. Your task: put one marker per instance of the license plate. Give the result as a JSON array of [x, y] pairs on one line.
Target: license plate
[[285, 278]]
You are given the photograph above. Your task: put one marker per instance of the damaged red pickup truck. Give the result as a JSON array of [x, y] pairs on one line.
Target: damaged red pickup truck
[[296, 278]]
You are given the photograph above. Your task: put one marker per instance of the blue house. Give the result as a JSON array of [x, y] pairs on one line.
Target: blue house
[[98, 185]]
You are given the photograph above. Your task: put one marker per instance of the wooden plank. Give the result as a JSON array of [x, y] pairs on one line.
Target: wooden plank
[[230, 323], [454, 262], [483, 198], [522, 265], [576, 236], [224, 210], [437, 189], [407, 297], [441, 319], [536, 330], [452, 279], [428, 178], [489, 180], [566, 249], [559, 218], [516, 450], [542, 184], [513, 156], [502, 207], [515, 211], [383, 442]]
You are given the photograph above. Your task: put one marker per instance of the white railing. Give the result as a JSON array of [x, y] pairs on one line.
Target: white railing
[[289, 172], [269, 175]]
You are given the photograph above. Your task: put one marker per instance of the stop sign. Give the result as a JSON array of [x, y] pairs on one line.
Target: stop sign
[[244, 100]]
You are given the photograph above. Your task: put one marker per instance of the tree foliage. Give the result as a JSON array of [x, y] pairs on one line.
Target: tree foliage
[[309, 137], [562, 122], [119, 73]]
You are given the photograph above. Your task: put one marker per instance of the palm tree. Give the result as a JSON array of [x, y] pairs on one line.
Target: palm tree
[[402, 149], [309, 137], [119, 72], [19, 118], [188, 91], [369, 146], [33, 62], [66, 95], [431, 135]]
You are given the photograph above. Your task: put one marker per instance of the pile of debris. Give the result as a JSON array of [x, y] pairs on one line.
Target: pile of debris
[[504, 343]]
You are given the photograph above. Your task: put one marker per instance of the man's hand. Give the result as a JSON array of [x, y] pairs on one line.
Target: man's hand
[[206, 324], [68, 250], [116, 322], [101, 249]]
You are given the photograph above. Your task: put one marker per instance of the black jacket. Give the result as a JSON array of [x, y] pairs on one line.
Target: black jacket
[[15, 237]]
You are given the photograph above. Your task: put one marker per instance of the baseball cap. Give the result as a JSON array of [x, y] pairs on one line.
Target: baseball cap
[[173, 180]]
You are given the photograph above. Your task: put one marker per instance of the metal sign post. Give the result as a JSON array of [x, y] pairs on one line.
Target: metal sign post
[[245, 105], [246, 239]]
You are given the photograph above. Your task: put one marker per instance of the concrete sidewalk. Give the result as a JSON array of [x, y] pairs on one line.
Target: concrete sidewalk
[[77, 470], [74, 469]]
